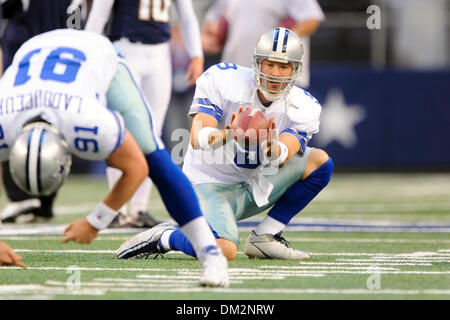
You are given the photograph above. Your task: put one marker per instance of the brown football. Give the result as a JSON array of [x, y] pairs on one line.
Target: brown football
[[249, 124]]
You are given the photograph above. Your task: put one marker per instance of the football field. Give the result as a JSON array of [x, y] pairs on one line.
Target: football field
[[372, 236]]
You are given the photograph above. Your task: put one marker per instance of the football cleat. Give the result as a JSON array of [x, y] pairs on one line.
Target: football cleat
[[267, 246], [145, 243], [119, 221], [143, 220], [14, 209], [214, 265], [32, 218]]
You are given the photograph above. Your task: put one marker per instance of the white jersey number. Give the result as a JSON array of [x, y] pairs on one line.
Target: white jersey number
[[156, 10]]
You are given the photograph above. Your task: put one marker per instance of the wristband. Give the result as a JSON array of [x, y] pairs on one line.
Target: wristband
[[203, 138], [102, 216], [284, 152]]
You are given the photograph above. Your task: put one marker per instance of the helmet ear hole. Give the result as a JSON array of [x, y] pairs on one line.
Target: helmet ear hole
[[39, 160]]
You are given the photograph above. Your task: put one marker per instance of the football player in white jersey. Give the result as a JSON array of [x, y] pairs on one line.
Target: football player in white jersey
[[234, 181], [141, 31], [69, 92]]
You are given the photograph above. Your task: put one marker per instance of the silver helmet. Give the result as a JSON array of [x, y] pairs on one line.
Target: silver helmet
[[39, 160], [279, 45]]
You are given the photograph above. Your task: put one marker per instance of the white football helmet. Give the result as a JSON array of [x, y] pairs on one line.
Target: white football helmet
[[39, 160], [279, 45]]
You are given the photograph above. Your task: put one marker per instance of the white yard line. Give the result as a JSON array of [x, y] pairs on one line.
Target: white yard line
[[394, 260], [44, 291], [365, 240], [279, 269], [100, 288], [66, 251], [374, 254], [381, 257], [58, 238], [370, 263]]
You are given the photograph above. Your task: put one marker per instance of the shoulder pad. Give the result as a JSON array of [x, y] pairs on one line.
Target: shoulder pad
[[303, 107]]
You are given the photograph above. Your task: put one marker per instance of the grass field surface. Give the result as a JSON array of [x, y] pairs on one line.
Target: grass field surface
[[372, 236]]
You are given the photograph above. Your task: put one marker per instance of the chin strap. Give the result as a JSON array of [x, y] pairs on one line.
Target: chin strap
[[272, 97]]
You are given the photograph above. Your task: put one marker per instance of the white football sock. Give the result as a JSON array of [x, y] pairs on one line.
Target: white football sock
[[199, 234], [163, 242], [269, 226]]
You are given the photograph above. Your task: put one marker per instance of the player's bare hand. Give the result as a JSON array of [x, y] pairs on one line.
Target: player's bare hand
[[269, 143], [80, 231], [9, 257], [232, 129], [238, 133], [271, 130], [195, 70], [234, 115]]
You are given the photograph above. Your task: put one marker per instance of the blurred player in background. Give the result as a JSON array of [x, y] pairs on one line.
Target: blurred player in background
[[25, 20], [140, 30], [235, 26], [69, 92], [235, 181]]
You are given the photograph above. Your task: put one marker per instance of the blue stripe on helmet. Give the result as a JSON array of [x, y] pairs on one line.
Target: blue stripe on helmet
[[39, 185], [275, 39], [285, 40], [27, 162]]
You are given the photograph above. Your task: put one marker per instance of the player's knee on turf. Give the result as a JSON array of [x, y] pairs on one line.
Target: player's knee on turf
[[229, 249], [316, 159]]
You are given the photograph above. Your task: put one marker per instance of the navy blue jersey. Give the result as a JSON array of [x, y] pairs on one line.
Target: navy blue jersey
[[145, 21], [41, 16], [47, 15]]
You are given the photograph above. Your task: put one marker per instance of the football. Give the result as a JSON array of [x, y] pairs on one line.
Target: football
[[249, 124]]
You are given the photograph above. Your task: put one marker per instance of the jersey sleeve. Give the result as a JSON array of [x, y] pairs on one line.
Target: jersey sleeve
[[95, 133], [189, 27], [304, 116], [99, 15], [207, 98]]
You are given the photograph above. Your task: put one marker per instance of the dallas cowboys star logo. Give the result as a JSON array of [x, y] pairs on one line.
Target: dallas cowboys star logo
[[338, 120]]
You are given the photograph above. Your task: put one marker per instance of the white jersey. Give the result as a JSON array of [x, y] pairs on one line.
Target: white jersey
[[63, 76], [220, 91]]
